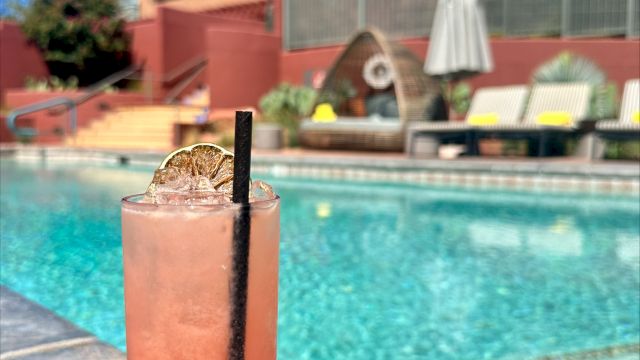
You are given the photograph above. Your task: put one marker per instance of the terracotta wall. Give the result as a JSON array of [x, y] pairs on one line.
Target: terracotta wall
[[277, 17], [515, 60], [150, 8], [242, 66], [145, 50], [144, 43], [18, 59], [46, 121], [174, 39], [5, 133], [182, 36], [253, 10]]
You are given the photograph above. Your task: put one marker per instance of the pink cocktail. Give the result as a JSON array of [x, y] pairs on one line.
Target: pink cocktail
[[178, 268]]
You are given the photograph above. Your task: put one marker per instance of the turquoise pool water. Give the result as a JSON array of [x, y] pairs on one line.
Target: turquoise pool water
[[367, 271]]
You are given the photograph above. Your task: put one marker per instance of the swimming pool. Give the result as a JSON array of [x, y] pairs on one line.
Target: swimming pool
[[368, 271]]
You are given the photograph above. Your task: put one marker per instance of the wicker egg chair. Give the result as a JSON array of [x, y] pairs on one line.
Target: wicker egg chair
[[415, 94]]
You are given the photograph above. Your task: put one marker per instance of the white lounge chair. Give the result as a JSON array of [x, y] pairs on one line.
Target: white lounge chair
[[625, 127], [629, 107], [503, 103], [569, 100]]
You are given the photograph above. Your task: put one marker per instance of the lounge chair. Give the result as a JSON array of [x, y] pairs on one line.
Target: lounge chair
[[553, 110], [502, 104], [626, 127]]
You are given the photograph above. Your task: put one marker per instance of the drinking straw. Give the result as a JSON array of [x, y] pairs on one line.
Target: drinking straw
[[241, 231]]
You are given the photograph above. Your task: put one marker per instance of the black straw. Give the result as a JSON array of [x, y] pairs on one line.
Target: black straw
[[241, 231]]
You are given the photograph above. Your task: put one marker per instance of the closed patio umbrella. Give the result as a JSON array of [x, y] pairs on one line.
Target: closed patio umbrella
[[459, 45]]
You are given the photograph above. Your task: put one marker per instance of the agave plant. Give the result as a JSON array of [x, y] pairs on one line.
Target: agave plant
[[567, 67]]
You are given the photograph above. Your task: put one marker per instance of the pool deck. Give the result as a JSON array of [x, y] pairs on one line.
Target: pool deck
[[29, 332], [563, 174]]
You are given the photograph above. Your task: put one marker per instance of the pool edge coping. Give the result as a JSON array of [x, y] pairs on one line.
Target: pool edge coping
[[63, 336], [529, 175]]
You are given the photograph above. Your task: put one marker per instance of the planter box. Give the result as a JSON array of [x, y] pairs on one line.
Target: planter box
[[267, 137]]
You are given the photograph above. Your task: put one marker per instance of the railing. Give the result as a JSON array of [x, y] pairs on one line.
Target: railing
[[29, 132], [313, 23], [71, 104], [566, 18], [101, 85], [181, 76], [187, 71]]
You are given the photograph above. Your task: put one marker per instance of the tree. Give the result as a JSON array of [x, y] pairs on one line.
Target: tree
[[82, 38]]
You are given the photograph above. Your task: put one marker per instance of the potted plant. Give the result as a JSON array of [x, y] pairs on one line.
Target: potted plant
[[459, 99], [283, 107]]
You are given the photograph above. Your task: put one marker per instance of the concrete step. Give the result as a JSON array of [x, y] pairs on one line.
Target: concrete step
[[122, 143], [132, 126], [150, 117], [136, 127], [159, 112], [148, 108], [125, 135]]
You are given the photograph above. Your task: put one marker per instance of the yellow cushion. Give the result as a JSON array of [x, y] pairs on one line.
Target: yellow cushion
[[324, 113], [555, 118], [636, 117], [483, 119]]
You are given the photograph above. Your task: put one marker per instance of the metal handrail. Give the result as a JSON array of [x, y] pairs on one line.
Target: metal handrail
[[70, 103], [183, 68], [100, 86], [179, 87], [194, 65]]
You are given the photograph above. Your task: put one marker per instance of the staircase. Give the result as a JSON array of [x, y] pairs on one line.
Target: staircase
[[145, 127], [198, 97]]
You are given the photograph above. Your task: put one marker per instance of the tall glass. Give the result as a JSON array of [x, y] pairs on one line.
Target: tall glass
[[177, 271]]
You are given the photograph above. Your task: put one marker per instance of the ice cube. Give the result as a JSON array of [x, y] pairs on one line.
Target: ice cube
[[260, 190], [173, 186], [207, 198], [201, 183]]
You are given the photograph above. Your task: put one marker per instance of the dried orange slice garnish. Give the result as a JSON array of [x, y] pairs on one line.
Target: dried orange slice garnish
[[198, 161]]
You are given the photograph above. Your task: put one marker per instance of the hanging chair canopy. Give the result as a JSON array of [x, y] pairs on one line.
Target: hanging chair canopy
[[372, 67], [371, 92]]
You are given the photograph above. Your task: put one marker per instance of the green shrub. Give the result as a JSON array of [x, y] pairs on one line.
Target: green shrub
[[54, 83], [459, 97], [340, 92], [623, 150], [286, 105]]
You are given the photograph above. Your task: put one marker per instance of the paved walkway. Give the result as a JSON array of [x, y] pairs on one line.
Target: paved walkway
[[31, 332]]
